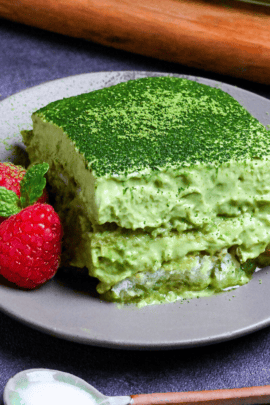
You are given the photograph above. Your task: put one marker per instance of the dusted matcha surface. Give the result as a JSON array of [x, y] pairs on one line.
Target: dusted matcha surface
[[155, 122]]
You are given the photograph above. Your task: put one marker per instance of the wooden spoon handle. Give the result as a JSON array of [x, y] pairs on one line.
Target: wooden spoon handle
[[237, 396]]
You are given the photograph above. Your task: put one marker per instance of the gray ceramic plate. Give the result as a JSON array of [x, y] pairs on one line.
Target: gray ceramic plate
[[66, 306]]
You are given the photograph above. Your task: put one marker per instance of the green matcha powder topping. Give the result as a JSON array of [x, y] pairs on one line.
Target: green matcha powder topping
[[156, 122]]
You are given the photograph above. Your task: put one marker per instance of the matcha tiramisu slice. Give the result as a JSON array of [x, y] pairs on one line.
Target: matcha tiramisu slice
[[162, 184]]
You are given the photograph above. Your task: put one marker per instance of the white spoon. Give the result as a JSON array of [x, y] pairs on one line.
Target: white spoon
[[43, 386]]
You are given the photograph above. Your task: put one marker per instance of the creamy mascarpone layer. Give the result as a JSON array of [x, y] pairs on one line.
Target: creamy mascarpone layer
[[196, 209], [182, 199]]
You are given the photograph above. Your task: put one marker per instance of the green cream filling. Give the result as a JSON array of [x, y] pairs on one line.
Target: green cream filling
[[179, 199], [121, 254], [210, 221]]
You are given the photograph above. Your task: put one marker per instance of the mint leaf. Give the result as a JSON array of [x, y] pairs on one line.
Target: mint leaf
[[9, 203], [32, 184]]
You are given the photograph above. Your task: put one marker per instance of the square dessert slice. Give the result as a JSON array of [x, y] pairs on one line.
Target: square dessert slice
[[162, 185]]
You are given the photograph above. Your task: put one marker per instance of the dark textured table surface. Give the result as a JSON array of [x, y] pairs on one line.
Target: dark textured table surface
[[29, 57]]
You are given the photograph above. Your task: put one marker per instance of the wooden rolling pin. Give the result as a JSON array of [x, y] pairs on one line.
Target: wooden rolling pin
[[228, 37]]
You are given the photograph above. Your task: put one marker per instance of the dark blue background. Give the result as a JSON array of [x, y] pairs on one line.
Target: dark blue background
[[29, 57]]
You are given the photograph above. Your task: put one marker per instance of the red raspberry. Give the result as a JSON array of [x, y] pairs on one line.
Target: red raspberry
[[30, 246], [10, 178]]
